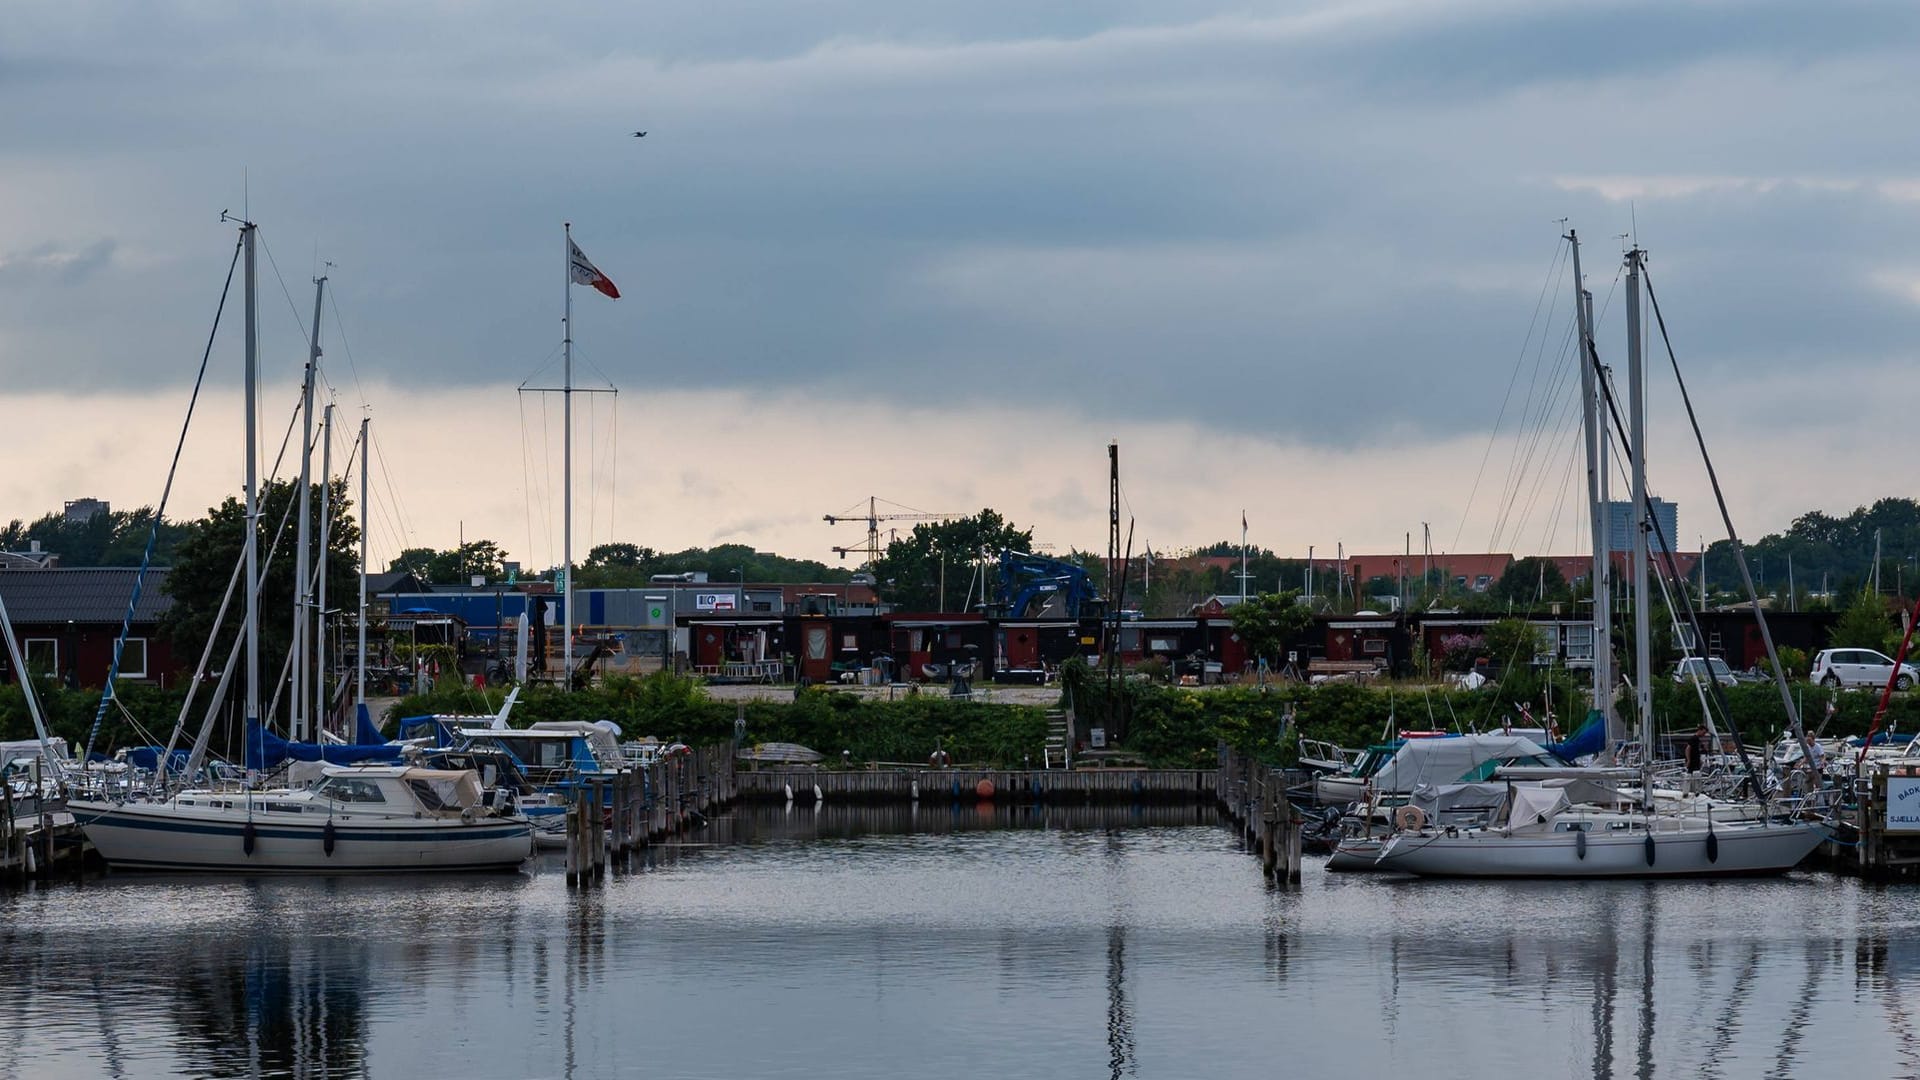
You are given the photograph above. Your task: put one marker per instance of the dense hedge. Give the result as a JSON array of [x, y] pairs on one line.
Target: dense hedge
[[1163, 725], [907, 729], [69, 714]]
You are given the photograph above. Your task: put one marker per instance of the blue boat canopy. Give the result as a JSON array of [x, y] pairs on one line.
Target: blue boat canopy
[[265, 750]]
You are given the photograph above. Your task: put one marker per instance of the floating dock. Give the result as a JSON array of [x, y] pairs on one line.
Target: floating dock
[[885, 785]]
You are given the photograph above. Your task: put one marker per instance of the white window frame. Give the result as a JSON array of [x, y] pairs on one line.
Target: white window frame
[[26, 650], [145, 660]]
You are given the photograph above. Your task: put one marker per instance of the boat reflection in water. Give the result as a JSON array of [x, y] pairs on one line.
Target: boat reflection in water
[[988, 941]]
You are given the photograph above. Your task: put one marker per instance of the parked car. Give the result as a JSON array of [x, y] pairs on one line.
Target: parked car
[[1860, 667], [1708, 667]]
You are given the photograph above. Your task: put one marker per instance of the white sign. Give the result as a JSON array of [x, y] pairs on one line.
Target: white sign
[[1098, 738], [716, 601], [1903, 804]]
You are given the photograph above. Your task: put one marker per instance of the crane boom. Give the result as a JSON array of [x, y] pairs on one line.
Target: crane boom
[[873, 518]]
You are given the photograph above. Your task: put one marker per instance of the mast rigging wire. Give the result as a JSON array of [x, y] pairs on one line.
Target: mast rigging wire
[[159, 512]]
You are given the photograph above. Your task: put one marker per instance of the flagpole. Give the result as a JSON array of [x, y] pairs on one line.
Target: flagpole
[[566, 472], [1243, 556]]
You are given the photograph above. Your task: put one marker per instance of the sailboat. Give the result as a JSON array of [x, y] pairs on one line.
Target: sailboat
[[1538, 831], [356, 819]]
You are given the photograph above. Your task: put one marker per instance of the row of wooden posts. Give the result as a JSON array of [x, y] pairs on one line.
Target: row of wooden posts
[[1255, 797], [31, 843], [613, 815]]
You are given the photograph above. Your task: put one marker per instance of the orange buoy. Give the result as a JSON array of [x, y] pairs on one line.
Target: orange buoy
[[984, 789]]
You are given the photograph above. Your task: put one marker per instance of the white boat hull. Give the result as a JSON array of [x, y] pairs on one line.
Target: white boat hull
[[1741, 850], [161, 836]]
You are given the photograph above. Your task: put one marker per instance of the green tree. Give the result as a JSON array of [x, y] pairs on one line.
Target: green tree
[[1268, 623], [910, 572], [204, 562], [455, 565], [1530, 580], [1864, 625], [1511, 643], [111, 538]]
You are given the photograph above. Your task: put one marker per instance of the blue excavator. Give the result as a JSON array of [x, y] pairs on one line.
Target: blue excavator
[[1037, 587]]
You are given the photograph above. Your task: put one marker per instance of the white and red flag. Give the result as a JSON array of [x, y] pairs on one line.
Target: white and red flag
[[585, 273]]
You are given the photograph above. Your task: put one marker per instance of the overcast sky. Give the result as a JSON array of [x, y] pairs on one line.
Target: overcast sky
[[1291, 255]]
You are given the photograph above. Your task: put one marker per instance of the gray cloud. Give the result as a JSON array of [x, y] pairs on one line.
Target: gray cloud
[[1320, 224]]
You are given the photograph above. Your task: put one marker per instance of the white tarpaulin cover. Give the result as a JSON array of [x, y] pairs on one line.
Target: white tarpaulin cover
[[1452, 760], [1534, 806]]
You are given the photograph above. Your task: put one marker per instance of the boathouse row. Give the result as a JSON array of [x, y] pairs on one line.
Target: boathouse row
[[67, 621], [843, 633]]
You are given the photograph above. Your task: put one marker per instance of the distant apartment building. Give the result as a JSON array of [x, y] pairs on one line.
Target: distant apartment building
[[1620, 522], [83, 510]]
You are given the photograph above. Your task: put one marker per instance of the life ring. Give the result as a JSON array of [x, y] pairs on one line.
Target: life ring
[[1409, 818]]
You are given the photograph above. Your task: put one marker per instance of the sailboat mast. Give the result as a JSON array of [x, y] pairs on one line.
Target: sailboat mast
[[320, 599], [302, 558], [1637, 420], [252, 541], [360, 650], [566, 470], [1596, 508]]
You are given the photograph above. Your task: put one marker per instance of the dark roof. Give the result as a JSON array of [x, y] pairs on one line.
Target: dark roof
[[83, 595], [391, 581]]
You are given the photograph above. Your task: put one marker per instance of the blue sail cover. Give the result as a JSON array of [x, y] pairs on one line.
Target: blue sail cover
[[265, 749], [148, 758], [364, 732], [1589, 740]]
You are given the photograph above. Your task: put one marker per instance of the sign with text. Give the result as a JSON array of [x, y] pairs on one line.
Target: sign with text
[[1903, 804], [716, 601]]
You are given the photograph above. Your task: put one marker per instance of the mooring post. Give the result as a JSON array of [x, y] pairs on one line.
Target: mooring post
[[573, 842]]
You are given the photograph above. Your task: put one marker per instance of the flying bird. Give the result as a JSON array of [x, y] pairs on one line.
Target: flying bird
[[639, 134]]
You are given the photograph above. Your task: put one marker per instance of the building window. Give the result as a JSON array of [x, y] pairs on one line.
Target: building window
[[1374, 646], [849, 643], [43, 655], [133, 659]]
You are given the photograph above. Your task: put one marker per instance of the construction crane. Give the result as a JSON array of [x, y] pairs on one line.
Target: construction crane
[[873, 518]]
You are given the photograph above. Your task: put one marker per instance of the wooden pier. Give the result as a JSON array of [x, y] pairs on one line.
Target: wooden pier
[[886, 785], [1877, 834], [612, 817], [1255, 797], [37, 835]]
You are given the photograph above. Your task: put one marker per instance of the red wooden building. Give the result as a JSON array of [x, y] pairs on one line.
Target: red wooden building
[[67, 621]]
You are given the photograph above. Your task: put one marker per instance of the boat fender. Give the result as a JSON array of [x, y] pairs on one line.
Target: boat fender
[[789, 788], [913, 790], [326, 837], [1409, 818], [1713, 845], [1580, 843], [247, 838], [818, 795], [1649, 849]]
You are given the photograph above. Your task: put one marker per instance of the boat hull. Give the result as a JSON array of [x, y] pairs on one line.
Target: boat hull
[[135, 836], [1741, 851]]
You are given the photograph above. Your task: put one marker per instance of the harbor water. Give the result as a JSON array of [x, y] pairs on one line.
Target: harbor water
[[854, 942]]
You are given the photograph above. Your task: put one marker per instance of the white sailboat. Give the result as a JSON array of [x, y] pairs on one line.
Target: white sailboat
[[355, 820], [1539, 831]]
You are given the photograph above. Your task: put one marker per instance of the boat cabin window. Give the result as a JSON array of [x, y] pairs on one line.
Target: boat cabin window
[[1573, 826], [347, 789], [541, 752], [441, 793]]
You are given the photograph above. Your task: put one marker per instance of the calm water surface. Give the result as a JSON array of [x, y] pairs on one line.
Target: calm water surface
[[855, 943]]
